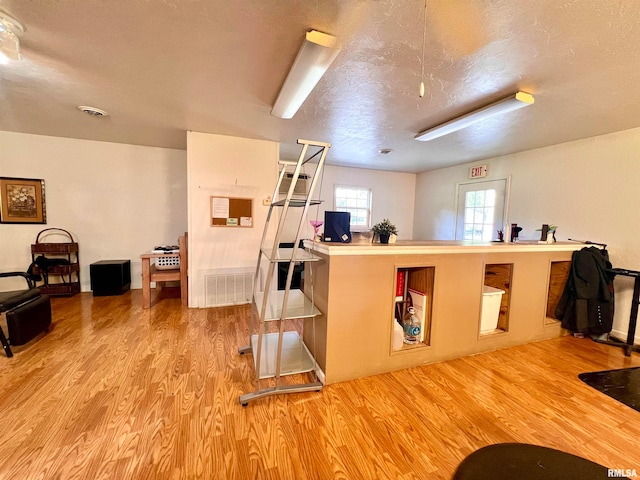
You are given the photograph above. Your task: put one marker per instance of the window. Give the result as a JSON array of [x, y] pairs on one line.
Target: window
[[355, 200], [479, 208]]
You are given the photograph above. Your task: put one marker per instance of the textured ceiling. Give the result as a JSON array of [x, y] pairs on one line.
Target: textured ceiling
[[163, 67]]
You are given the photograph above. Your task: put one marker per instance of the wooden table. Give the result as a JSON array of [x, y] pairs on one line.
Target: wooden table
[[152, 274]]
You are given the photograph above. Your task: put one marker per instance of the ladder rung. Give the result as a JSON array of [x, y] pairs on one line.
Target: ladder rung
[[295, 203], [312, 142]]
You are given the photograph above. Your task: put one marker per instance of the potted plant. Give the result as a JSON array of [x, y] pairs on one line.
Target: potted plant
[[384, 230], [551, 233]]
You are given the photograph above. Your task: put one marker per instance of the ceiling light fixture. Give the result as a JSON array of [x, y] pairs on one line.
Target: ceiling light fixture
[[314, 57], [10, 29], [508, 104]]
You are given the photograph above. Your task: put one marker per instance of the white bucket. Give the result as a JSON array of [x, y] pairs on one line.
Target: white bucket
[[491, 299]]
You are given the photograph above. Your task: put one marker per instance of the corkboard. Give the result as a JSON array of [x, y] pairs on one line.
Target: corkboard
[[231, 212]]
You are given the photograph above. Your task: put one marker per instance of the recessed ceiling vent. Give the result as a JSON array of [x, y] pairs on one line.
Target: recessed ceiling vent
[[93, 111]]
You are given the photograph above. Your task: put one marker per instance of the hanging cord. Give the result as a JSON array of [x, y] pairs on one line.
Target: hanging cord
[[424, 41]]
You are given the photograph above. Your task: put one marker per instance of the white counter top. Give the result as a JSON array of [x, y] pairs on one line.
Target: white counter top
[[413, 247]]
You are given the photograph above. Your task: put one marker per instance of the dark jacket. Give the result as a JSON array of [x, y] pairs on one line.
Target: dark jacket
[[587, 302]]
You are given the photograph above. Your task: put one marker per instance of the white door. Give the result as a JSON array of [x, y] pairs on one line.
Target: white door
[[480, 212]]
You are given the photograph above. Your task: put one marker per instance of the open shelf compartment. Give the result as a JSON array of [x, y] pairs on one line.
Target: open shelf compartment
[[558, 275], [413, 287], [286, 254], [299, 306], [497, 276], [295, 358]]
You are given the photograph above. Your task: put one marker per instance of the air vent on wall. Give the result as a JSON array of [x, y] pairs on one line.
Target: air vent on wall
[[93, 111], [301, 184], [230, 287]]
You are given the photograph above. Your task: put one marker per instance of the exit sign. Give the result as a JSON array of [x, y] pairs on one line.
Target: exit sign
[[478, 172]]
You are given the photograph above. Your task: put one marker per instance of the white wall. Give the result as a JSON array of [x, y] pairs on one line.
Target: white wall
[[589, 188], [233, 167], [240, 167], [117, 200], [120, 200], [393, 197]]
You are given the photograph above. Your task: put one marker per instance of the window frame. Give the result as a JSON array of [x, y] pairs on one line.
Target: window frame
[[355, 228]]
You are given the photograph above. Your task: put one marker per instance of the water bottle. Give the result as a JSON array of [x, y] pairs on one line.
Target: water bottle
[[411, 326]]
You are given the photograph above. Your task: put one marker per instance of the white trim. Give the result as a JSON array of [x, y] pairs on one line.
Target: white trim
[[507, 201], [320, 375], [507, 198], [619, 334], [356, 228]]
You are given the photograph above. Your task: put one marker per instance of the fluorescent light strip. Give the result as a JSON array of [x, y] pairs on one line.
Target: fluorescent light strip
[[512, 102], [10, 28], [316, 54]]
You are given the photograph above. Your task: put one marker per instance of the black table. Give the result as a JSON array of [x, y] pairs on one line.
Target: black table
[[110, 277], [628, 346]]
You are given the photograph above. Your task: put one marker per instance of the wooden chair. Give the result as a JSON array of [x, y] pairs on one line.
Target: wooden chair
[[150, 273]]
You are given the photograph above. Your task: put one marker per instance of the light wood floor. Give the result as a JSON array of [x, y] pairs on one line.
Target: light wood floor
[[118, 392]]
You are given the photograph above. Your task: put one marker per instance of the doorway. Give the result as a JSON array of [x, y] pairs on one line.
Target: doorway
[[480, 210]]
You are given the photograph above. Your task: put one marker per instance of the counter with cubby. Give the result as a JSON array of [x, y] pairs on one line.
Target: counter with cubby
[[357, 286]]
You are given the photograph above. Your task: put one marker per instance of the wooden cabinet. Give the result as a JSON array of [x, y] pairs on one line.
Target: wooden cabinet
[[57, 263]]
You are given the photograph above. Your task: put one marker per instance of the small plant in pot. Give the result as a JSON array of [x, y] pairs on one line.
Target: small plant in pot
[[384, 230]]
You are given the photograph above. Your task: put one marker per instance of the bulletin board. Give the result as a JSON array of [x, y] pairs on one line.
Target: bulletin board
[[231, 212]]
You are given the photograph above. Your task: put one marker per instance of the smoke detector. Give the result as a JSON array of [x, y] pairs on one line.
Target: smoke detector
[[93, 111]]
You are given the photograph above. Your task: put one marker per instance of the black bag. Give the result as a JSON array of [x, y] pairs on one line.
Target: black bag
[[44, 264]]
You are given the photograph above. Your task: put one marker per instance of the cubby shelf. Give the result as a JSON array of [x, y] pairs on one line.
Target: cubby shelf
[[417, 291], [499, 276], [295, 357], [284, 255], [298, 305]]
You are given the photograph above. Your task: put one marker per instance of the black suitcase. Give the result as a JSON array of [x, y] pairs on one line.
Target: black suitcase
[[29, 320]]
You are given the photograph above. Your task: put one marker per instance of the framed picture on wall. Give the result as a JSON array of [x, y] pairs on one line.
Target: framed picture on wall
[[22, 200]]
